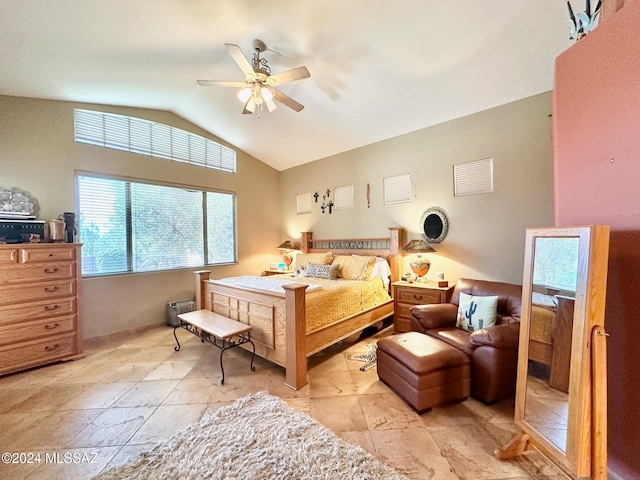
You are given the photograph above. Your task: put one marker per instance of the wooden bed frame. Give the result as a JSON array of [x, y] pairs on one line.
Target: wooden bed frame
[[280, 321]]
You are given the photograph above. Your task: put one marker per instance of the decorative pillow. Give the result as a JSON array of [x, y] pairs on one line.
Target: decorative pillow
[[300, 272], [475, 313], [318, 258], [355, 267], [322, 271]]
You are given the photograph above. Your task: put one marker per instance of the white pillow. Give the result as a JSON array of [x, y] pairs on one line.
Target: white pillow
[[475, 313], [381, 270]]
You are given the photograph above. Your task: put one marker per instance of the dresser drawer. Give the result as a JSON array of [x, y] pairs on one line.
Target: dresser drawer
[[43, 309], [47, 254], [36, 272], [37, 352], [11, 294], [8, 255], [416, 296], [36, 329]]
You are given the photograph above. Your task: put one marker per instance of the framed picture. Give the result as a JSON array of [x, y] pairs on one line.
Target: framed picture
[[303, 203]]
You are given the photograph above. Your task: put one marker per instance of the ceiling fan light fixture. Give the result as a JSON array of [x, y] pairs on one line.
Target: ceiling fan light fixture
[[245, 94], [267, 94]]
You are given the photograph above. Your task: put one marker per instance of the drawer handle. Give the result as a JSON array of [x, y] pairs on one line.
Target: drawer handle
[[50, 289], [49, 308], [51, 254], [50, 348], [51, 327], [418, 297], [50, 270]]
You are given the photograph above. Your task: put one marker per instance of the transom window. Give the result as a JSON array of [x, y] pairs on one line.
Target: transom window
[[128, 226], [144, 137]]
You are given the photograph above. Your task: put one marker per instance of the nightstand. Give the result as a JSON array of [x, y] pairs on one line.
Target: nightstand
[[406, 295], [268, 272]]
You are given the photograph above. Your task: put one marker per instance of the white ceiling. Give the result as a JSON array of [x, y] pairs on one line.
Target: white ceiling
[[379, 68]]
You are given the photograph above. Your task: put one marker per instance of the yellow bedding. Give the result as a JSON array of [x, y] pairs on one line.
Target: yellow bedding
[[338, 299]]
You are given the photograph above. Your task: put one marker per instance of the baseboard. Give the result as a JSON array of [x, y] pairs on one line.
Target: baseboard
[[96, 341]]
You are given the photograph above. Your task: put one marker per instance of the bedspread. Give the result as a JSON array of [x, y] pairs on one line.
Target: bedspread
[[337, 299]]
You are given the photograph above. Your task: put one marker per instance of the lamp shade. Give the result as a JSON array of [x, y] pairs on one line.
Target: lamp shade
[[286, 245], [417, 246]]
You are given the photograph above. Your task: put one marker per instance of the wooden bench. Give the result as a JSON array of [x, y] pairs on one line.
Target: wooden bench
[[217, 330]]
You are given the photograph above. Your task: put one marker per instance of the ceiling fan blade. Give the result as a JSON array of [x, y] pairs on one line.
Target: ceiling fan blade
[[287, 101], [217, 83], [249, 107], [288, 76], [240, 59]]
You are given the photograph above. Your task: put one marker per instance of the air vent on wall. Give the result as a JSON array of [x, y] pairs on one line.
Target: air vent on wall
[[397, 189], [473, 177]]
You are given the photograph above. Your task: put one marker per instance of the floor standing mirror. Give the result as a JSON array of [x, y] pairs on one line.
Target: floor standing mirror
[[561, 392]]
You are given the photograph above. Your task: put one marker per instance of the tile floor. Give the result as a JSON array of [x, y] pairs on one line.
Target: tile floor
[[131, 393]]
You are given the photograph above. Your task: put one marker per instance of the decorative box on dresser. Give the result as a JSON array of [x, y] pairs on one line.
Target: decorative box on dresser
[[406, 295], [39, 319]]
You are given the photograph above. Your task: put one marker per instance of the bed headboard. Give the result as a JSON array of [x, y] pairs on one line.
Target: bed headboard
[[387, 247]]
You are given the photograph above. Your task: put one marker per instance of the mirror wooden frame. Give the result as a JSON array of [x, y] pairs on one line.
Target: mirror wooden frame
[[585, 454]]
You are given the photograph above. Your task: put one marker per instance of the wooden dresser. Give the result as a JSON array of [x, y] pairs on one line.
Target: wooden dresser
[[39, 319], [406, 295]]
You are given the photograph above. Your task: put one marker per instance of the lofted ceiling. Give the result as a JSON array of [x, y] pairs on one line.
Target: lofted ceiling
[[379, 68]]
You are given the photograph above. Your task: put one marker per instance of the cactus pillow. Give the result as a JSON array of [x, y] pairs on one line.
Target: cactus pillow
[[475, 313]]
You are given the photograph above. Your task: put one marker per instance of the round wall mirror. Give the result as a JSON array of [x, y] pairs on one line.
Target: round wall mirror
[[434, 225]]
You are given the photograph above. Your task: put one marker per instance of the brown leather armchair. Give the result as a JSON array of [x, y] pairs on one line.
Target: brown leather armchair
[[493, 351]]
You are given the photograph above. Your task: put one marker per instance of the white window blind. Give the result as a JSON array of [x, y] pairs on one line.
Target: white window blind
[[343, 196], [473, 177], [144, 137], [397, 189], [140, 227]]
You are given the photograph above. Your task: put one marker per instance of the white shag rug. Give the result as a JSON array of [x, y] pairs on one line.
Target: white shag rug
[[258, 437]]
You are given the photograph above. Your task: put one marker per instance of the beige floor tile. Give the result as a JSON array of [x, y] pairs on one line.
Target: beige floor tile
[[147, 393], [388, 411], [77, 463], [340, 414], [166, 421], [54, 407], [413, 452], [324, 384], [58, 430], [128, 453], [368, 383], [51, 398], [171, 370], [114, 426], [98, 396], [361, 439], [469, 449]]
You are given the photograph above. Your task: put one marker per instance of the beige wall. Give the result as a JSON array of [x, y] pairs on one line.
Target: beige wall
[[38, 154], [486, 236]]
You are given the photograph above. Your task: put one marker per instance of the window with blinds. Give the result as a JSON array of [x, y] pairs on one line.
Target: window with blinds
[[143, 137], [130, 227], [556, 263]]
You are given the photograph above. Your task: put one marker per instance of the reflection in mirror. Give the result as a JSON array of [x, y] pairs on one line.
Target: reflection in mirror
[[555, 272], [434, 225], [561, 403]]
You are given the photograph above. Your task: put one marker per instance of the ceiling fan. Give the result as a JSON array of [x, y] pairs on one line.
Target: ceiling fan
[[258, 88]]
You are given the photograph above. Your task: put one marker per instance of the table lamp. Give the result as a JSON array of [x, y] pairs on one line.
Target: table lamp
[[420, 266], [287, 256]]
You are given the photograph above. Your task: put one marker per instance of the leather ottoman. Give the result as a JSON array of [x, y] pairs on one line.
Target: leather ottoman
[[423, 370]]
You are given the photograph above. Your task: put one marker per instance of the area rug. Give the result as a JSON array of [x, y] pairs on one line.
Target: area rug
[[258, 437], [370, 358]]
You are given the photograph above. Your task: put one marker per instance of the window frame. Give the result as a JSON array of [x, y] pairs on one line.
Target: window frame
[[129, 234]]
